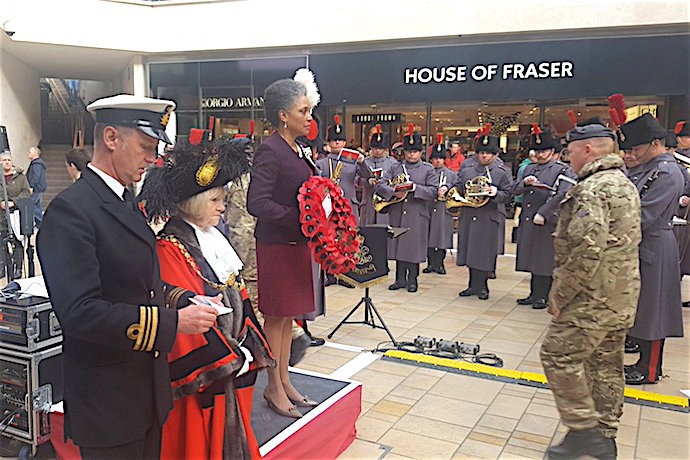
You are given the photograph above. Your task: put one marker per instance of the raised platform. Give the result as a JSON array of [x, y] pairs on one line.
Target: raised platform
[[324, 431]]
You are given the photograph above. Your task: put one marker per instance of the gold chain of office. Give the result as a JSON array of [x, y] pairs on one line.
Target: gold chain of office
[[232, 281]]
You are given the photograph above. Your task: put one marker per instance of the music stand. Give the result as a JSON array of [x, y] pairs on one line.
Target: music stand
[[371, 269]]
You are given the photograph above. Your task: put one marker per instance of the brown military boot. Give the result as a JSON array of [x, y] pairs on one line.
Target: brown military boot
[[577, 444]]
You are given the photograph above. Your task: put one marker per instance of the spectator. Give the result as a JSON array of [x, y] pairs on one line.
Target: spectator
[[36, 175], [17, 188], [75, 161]]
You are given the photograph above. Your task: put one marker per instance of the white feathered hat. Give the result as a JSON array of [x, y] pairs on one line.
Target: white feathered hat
[[306, 77]]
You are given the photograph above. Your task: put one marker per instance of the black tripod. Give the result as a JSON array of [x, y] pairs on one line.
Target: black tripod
[[369, 312]]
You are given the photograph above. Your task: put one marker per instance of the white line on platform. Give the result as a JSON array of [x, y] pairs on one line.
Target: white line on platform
[[342, 346], [355, 365]]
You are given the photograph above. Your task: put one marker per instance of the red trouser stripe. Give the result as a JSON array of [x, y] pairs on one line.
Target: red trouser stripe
[[654, 354]]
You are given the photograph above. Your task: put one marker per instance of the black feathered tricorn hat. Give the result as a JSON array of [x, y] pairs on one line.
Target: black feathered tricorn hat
[[190, 169]]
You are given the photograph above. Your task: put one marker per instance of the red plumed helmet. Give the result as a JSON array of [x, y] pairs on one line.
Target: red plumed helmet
[[336, 119], [439, 138], [410, 128], [573, 118], [536, 130], [313, 130], [617, 106], [378, 128], [679, 127]]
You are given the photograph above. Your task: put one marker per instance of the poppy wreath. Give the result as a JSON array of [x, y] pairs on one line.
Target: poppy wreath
[[333, 240]]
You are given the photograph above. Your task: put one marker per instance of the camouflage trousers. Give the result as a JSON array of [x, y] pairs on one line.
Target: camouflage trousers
[[584, 368]]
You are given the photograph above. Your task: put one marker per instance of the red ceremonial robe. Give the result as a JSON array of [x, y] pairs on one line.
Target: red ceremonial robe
[[210, 418]]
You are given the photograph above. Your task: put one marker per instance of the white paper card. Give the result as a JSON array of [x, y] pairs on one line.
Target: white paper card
[[327, 207]]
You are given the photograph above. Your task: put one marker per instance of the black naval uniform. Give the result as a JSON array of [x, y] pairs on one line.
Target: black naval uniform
[[118, 318], [535, 252], [478, 228]]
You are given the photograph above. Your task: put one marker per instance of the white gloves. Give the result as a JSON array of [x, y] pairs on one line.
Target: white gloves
[[529, 180], [538, 219], [248, 358], [493, 190], [684, 200]]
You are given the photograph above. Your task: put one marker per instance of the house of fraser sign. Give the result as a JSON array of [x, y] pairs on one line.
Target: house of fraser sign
[[488, 72]]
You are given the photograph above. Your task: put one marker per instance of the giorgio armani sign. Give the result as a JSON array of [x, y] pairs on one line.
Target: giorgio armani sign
[[482, 72], [236, 103]]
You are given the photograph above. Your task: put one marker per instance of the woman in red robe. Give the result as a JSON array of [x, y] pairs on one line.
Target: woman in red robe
[[213, 373]]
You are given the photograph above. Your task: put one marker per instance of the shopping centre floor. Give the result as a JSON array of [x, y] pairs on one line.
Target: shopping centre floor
[[417, 412]]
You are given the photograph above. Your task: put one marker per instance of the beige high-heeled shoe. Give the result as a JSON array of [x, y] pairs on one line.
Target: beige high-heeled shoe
[[291, 412], [304, 402]]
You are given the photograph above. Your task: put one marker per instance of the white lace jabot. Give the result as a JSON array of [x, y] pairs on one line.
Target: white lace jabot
[[218, 252]]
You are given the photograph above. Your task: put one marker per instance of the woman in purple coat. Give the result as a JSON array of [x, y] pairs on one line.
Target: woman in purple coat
[[284, 261]]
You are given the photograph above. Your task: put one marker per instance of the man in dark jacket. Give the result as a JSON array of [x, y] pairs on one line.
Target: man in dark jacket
[[17, 188], [36, 175], [119, 320]]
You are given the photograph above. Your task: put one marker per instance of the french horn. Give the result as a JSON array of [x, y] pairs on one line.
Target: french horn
[[380, 203], [476, 194]]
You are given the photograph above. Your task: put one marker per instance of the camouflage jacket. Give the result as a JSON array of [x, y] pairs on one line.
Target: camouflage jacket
[[596, 279]]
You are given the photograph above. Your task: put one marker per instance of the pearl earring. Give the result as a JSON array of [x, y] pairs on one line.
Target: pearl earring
[[285, 125]]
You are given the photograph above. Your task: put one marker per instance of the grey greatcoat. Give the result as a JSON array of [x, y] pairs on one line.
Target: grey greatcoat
[[659, 315], [683, 231], [441, 224], [367, 214], [412, 213], [479, 228], [535, 252], [348, 174]]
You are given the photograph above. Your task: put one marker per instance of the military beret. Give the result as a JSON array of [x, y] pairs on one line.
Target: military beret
[[588, 132], [146, 114]]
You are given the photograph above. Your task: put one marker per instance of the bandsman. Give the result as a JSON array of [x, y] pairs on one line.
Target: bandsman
[[542, 187], [441, 223], [682, 131], [413, 187], [378, 162], [659, 183], [479, 239], [343, 171]]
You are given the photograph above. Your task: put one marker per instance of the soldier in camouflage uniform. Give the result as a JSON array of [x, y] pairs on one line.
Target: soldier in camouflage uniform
[[596, 283], [239, 228]]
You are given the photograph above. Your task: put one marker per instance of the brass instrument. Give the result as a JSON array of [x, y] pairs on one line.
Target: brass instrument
[[380, 203], [335, 175], [476, 194]]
